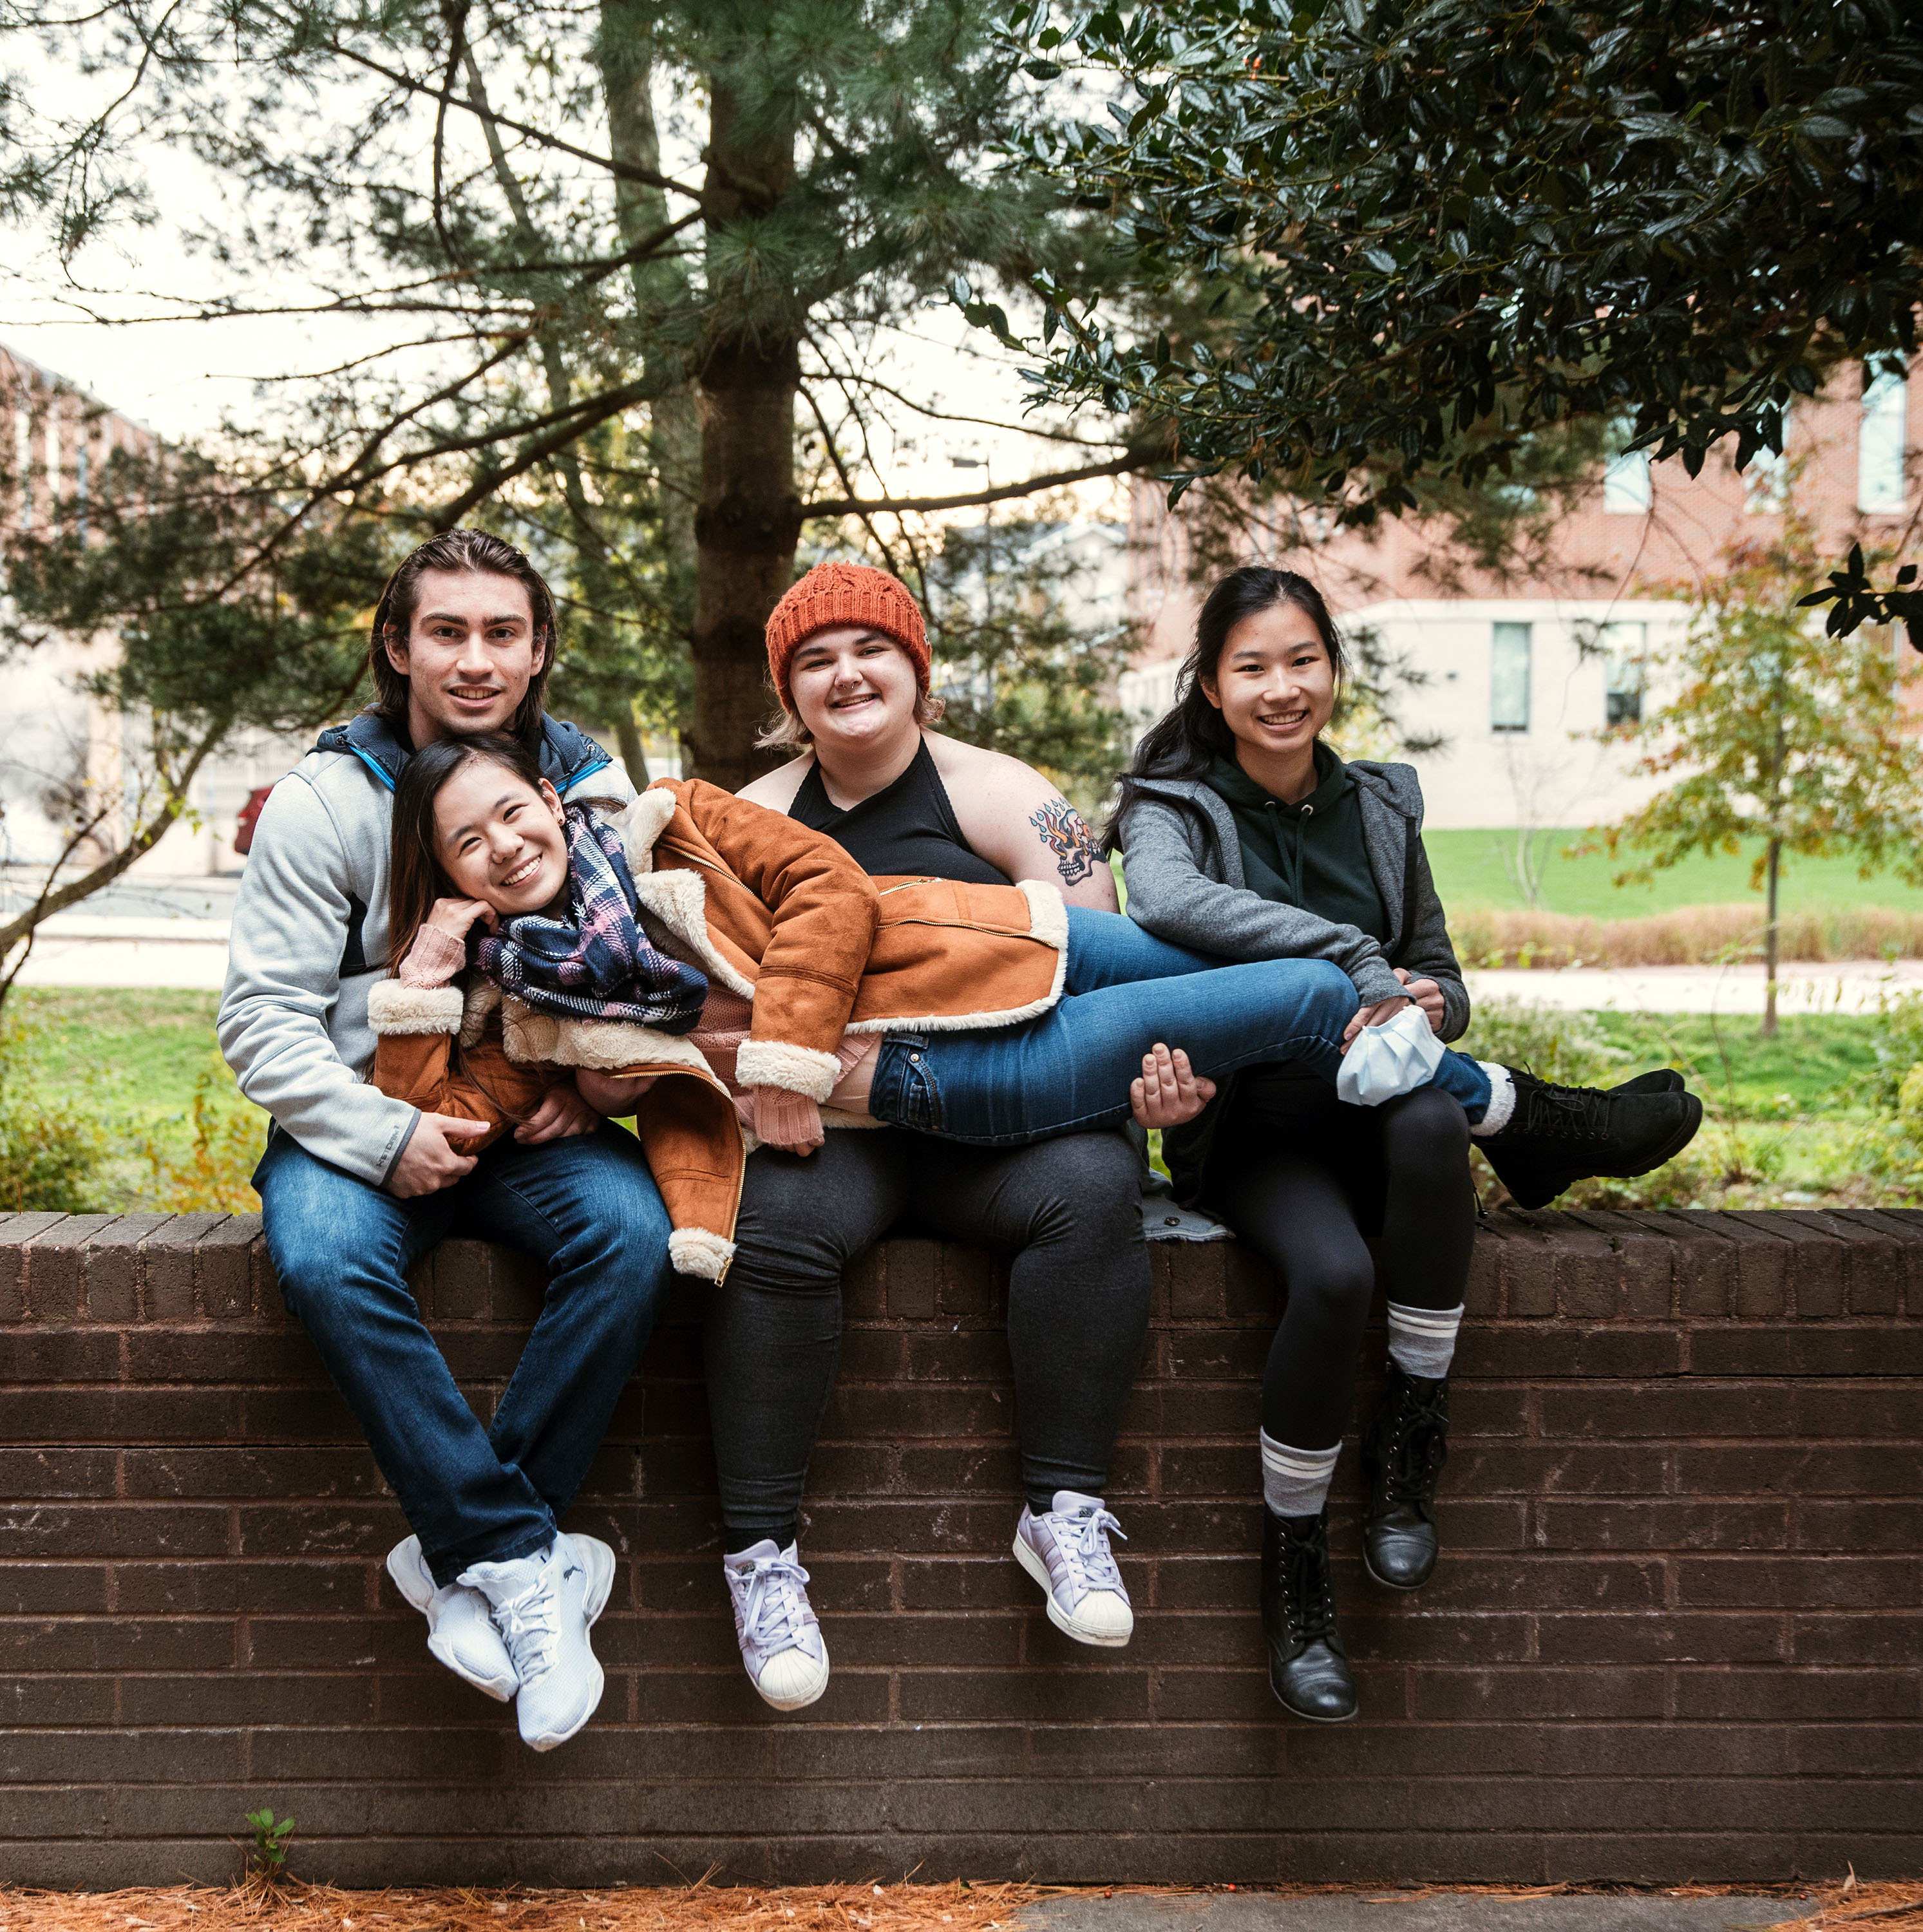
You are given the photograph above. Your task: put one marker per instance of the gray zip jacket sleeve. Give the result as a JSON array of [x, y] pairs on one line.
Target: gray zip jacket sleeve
[[1182, 864], [293, 1030]]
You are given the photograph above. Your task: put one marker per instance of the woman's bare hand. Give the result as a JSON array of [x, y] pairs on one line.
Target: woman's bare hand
[[457, 915], [615, 1095], [562, 1112], [1168, 1092], [1427, 994], [1370, 1016]]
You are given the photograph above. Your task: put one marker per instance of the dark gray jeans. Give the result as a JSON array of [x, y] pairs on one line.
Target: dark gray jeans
[[1068, 1212]]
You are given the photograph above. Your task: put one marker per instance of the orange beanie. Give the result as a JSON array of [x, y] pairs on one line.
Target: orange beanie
[[837, 593]]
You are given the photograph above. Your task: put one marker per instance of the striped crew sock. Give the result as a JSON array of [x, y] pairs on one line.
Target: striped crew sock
[[1295, 1482], [1422, 1341]]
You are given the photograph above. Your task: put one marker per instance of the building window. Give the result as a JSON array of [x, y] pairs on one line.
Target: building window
[[1880, 434], [1509, 678], [1766, 481], [23, 452], [1624, 649], [1626, 483]]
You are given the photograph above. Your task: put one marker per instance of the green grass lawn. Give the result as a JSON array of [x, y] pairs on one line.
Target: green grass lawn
[[1474, 869], [1816, 1063], [128, 1061]]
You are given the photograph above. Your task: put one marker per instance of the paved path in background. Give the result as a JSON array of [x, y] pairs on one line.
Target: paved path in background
[[1383, 1912], [1840, 986]]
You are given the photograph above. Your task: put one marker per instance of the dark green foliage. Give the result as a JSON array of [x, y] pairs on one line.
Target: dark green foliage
[[1430, 230], [228, 611]]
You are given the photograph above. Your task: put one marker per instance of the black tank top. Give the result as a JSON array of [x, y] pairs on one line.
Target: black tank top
[[907, 829]]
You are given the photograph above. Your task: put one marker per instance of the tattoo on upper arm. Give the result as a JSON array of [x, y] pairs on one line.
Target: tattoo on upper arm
[[1065, 835]]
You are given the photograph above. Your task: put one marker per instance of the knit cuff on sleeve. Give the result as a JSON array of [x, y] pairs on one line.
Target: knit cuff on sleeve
[[433, 959], [786, 1120]]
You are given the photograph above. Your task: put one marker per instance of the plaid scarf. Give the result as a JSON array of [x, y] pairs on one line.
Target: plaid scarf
[[594, 964]]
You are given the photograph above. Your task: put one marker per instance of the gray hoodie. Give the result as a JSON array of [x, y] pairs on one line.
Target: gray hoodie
[[308, 939], [1182, 863]]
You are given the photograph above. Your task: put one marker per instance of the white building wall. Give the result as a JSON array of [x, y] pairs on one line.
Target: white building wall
[[1558, 771]]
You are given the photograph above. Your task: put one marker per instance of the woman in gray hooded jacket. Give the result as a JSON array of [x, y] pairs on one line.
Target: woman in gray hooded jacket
[[1244, 834]]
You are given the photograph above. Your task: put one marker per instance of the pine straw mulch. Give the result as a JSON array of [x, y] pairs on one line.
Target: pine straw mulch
[[292, 1906]]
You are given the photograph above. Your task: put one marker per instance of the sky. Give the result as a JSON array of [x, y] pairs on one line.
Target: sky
[[107, 328]]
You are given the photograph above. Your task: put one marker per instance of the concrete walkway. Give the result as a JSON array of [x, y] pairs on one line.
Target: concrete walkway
[[1384, 1912], [1836, 986]]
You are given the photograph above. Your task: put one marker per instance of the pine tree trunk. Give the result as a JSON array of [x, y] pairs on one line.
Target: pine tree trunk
[[1769, 940], [625, 51], [748, 519]]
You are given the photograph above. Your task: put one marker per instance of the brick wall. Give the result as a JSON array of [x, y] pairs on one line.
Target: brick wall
[[1676, 1632]]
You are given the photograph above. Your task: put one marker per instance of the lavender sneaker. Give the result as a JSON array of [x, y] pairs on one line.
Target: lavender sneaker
[[1067, 1552], [776, 1625]]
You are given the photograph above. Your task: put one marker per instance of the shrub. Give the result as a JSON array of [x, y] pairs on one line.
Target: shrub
[[50, 1159], [1568, 1047], [1705, 935], [227, 1137]]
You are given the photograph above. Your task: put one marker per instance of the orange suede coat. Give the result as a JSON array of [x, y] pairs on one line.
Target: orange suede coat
[[780, 915]]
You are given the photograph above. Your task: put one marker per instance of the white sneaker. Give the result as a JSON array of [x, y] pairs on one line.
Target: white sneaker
[[1067, 1552], [776, 1625], [543, 1606], [460, 1631]]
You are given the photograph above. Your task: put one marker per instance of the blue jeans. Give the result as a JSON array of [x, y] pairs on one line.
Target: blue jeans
[[1124, 991], [588, 1208]]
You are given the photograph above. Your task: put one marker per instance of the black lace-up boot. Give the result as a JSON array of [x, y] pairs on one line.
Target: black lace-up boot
[[1560, 1135], [1403, 1454], [1308, 1668]]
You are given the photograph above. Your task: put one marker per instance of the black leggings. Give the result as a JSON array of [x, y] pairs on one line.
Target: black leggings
[[1302, 1179], [1068, 1211]]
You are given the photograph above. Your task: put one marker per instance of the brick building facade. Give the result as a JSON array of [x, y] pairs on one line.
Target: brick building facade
[[1521, 675]]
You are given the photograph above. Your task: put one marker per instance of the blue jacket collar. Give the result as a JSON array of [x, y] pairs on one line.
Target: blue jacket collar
[[568, 755]]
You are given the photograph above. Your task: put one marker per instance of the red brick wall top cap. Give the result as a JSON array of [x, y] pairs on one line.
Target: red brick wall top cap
[[836, 593]]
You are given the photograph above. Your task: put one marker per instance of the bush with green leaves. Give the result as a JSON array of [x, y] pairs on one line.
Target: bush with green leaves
[[1568, 1047], [50, 1159], [1429, 228]]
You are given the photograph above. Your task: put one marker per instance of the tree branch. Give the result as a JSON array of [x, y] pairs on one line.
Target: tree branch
[[52, 901], [621, 170], [1122, 466], [582, 417]]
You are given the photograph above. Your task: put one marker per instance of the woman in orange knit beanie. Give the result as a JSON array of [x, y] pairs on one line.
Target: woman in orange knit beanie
[[848, 657]]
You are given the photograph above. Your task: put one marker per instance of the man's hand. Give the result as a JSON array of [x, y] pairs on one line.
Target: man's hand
[[1168, 1092], [1370, 1016], [428, 1162], [614, 1095], [1427, 994], [562, 1112]]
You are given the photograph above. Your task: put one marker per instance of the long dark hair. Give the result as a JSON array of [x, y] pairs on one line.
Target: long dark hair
[[1183, 741], [481, 553], [415, 877]]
